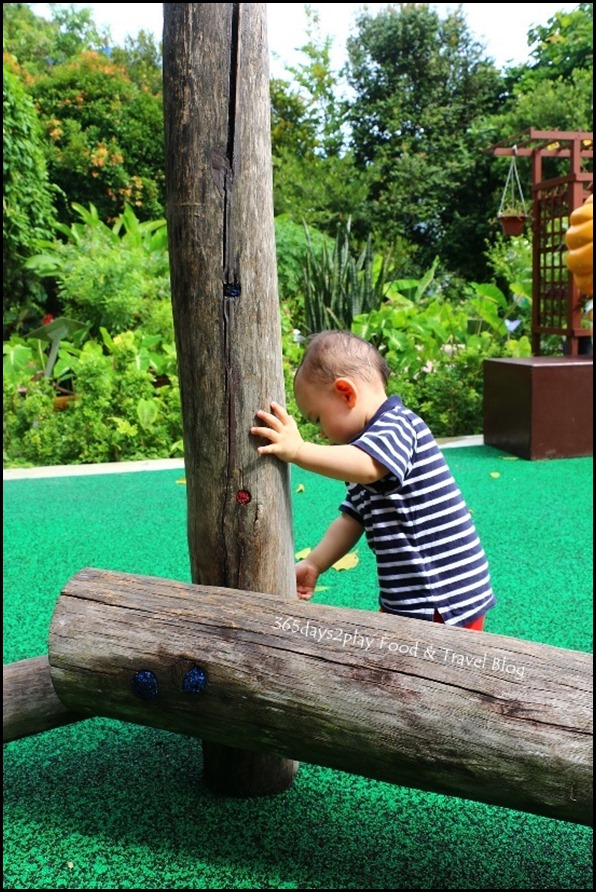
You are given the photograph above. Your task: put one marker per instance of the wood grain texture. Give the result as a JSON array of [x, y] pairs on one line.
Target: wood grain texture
[[474, 715], [219, 205], [30, 704]]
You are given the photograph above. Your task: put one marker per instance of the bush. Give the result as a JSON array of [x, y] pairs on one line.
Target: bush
[[116, 414], [112, 277]]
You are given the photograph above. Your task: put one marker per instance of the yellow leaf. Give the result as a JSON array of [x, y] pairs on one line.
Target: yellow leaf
[[495, 474], [347, 562], [509, 458], [300, 487], [182, 480], [321, 588], [300, 555], [70, 864]]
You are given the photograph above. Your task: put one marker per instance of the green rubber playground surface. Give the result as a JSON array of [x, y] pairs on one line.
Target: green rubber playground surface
[[106, 805]]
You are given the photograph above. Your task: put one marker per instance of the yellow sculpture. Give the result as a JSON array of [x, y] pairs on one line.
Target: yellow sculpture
[[579, 241]]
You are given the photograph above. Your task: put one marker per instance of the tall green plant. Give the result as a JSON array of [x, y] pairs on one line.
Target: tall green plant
[[339, 286]]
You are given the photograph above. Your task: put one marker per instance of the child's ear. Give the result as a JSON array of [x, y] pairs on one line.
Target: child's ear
[[346, 390]]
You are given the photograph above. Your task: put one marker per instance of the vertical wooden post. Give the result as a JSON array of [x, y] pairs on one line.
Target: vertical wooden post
[[226, 317]]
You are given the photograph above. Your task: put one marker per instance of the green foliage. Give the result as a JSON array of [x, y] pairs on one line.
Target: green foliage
[[320, 191], [563, 46], [323, 111], [105, 143], [28, 212], [402, 163], [315, 177], [117, 413], [435, 356], [338, 286], [291, 249], [450, 398], [111, 278], [116, 277], [141, 58], [38, 44], [558, 104], [403, 155], [556, 91], [511, 262], [419, 83]]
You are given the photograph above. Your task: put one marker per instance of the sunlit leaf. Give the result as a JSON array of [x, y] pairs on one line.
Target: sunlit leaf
[[495, 474], [347, 562], [300, 555], [300, 487]]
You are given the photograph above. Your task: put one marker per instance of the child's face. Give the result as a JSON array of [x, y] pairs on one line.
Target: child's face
[[325, 405]]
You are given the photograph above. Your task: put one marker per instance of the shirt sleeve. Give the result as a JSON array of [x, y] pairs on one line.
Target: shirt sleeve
[[348, 507], [392, 442]]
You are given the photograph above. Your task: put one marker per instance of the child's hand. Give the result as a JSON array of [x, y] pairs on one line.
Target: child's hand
[[284, 437], [306, 579]]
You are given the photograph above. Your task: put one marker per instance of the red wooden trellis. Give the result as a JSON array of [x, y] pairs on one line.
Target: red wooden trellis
[[557, 303]]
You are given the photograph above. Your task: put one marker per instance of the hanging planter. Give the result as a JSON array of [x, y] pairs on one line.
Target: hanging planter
[[512, 224], [513, 211]]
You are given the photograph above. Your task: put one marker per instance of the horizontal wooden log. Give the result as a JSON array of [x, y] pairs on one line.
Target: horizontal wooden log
[[30, 704], [474, 715]]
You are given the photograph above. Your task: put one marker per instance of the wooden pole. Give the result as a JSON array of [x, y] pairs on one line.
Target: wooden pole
[[478, 716], [226, 318]]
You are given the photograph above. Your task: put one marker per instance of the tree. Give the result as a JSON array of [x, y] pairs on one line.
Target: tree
[[419, 84], [556, 90], [141, 57], [105, 137], [315, 178], [38, 44], [28, 211], [562, 46]]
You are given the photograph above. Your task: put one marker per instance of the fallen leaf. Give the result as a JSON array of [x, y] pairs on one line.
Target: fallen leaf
[[495, 474], [347, 562], [182, 480], [300, 555], [300, 487], [70, 864], [509, 458]]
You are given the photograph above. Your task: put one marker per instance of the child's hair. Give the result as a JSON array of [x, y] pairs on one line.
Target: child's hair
[[331, 354]]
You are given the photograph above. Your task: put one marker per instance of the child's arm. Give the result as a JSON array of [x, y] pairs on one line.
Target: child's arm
[[338, 462], [340, 537]]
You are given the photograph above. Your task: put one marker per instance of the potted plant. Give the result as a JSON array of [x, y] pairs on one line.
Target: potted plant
[[512, 220], [512, 213]]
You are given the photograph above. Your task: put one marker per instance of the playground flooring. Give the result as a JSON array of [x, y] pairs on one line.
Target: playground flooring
[[106, 805]]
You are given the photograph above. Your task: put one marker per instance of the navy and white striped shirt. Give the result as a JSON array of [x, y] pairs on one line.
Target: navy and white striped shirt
[[428, 553]]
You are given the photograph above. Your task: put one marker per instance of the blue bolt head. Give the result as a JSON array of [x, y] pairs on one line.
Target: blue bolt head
[[194, 681], [145, 686]]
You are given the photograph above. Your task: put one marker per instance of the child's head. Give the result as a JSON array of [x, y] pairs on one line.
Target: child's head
[[340, 383], [336, 354]]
